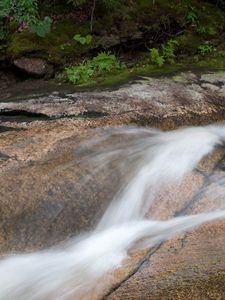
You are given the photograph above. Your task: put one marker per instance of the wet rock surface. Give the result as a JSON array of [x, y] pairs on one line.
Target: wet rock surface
[[179, 100], [191, 265], [45, 199], [187, 267], [44, 196]]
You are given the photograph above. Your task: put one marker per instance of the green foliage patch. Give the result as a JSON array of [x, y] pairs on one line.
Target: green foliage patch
[[83, 40], [25, 11], [80, 73], [156, 58], [205, 49], [104, 62], [41, 27], [167, 53], [192, 15]]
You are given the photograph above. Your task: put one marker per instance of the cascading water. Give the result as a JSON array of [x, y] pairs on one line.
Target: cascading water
[[154, 159]]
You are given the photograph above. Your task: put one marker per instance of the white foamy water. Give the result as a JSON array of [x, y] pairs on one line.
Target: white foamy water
[[155, 158]]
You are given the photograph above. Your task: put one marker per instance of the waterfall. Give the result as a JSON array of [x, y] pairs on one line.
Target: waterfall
[[153, 160]]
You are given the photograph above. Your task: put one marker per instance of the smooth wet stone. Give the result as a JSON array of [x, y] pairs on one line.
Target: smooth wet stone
[[210, 87], [45, 196], [186, 267], [190, 265], [156, 99], [185, 77], [45, 199], [214, 77]]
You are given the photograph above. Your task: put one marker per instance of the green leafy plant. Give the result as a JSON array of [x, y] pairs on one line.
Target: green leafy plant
[[201, 29], [83, 40], [104, 62], [205, 49], [156, 58], [169, 51], [79, 73], [63, 46], [41, 27], [191, 16], [25, 11], [209, 30]]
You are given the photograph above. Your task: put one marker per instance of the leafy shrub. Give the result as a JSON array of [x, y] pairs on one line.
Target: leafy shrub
[[25, 11], [209, 30], [201, 29], [169, 51], [41, 28], [156, 58], [79, 73], [205, 49], [83, 40], [104, 62], [191, 16]]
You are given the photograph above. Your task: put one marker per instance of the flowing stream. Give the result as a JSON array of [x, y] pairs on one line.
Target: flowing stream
[[151, 159]]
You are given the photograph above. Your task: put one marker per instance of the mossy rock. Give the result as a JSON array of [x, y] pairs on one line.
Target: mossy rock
[[54, 47], [142, 25], [29, 43]]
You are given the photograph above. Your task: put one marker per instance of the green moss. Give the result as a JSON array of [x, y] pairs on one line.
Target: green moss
[[187, 64], [184, 77], [121, 76], [215, 63], [112, 79], [147, 19], [54, 47], [26, 42]]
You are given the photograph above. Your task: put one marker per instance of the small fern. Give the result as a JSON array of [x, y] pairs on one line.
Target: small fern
[[103, 63], [169, 51], [156, 58]]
